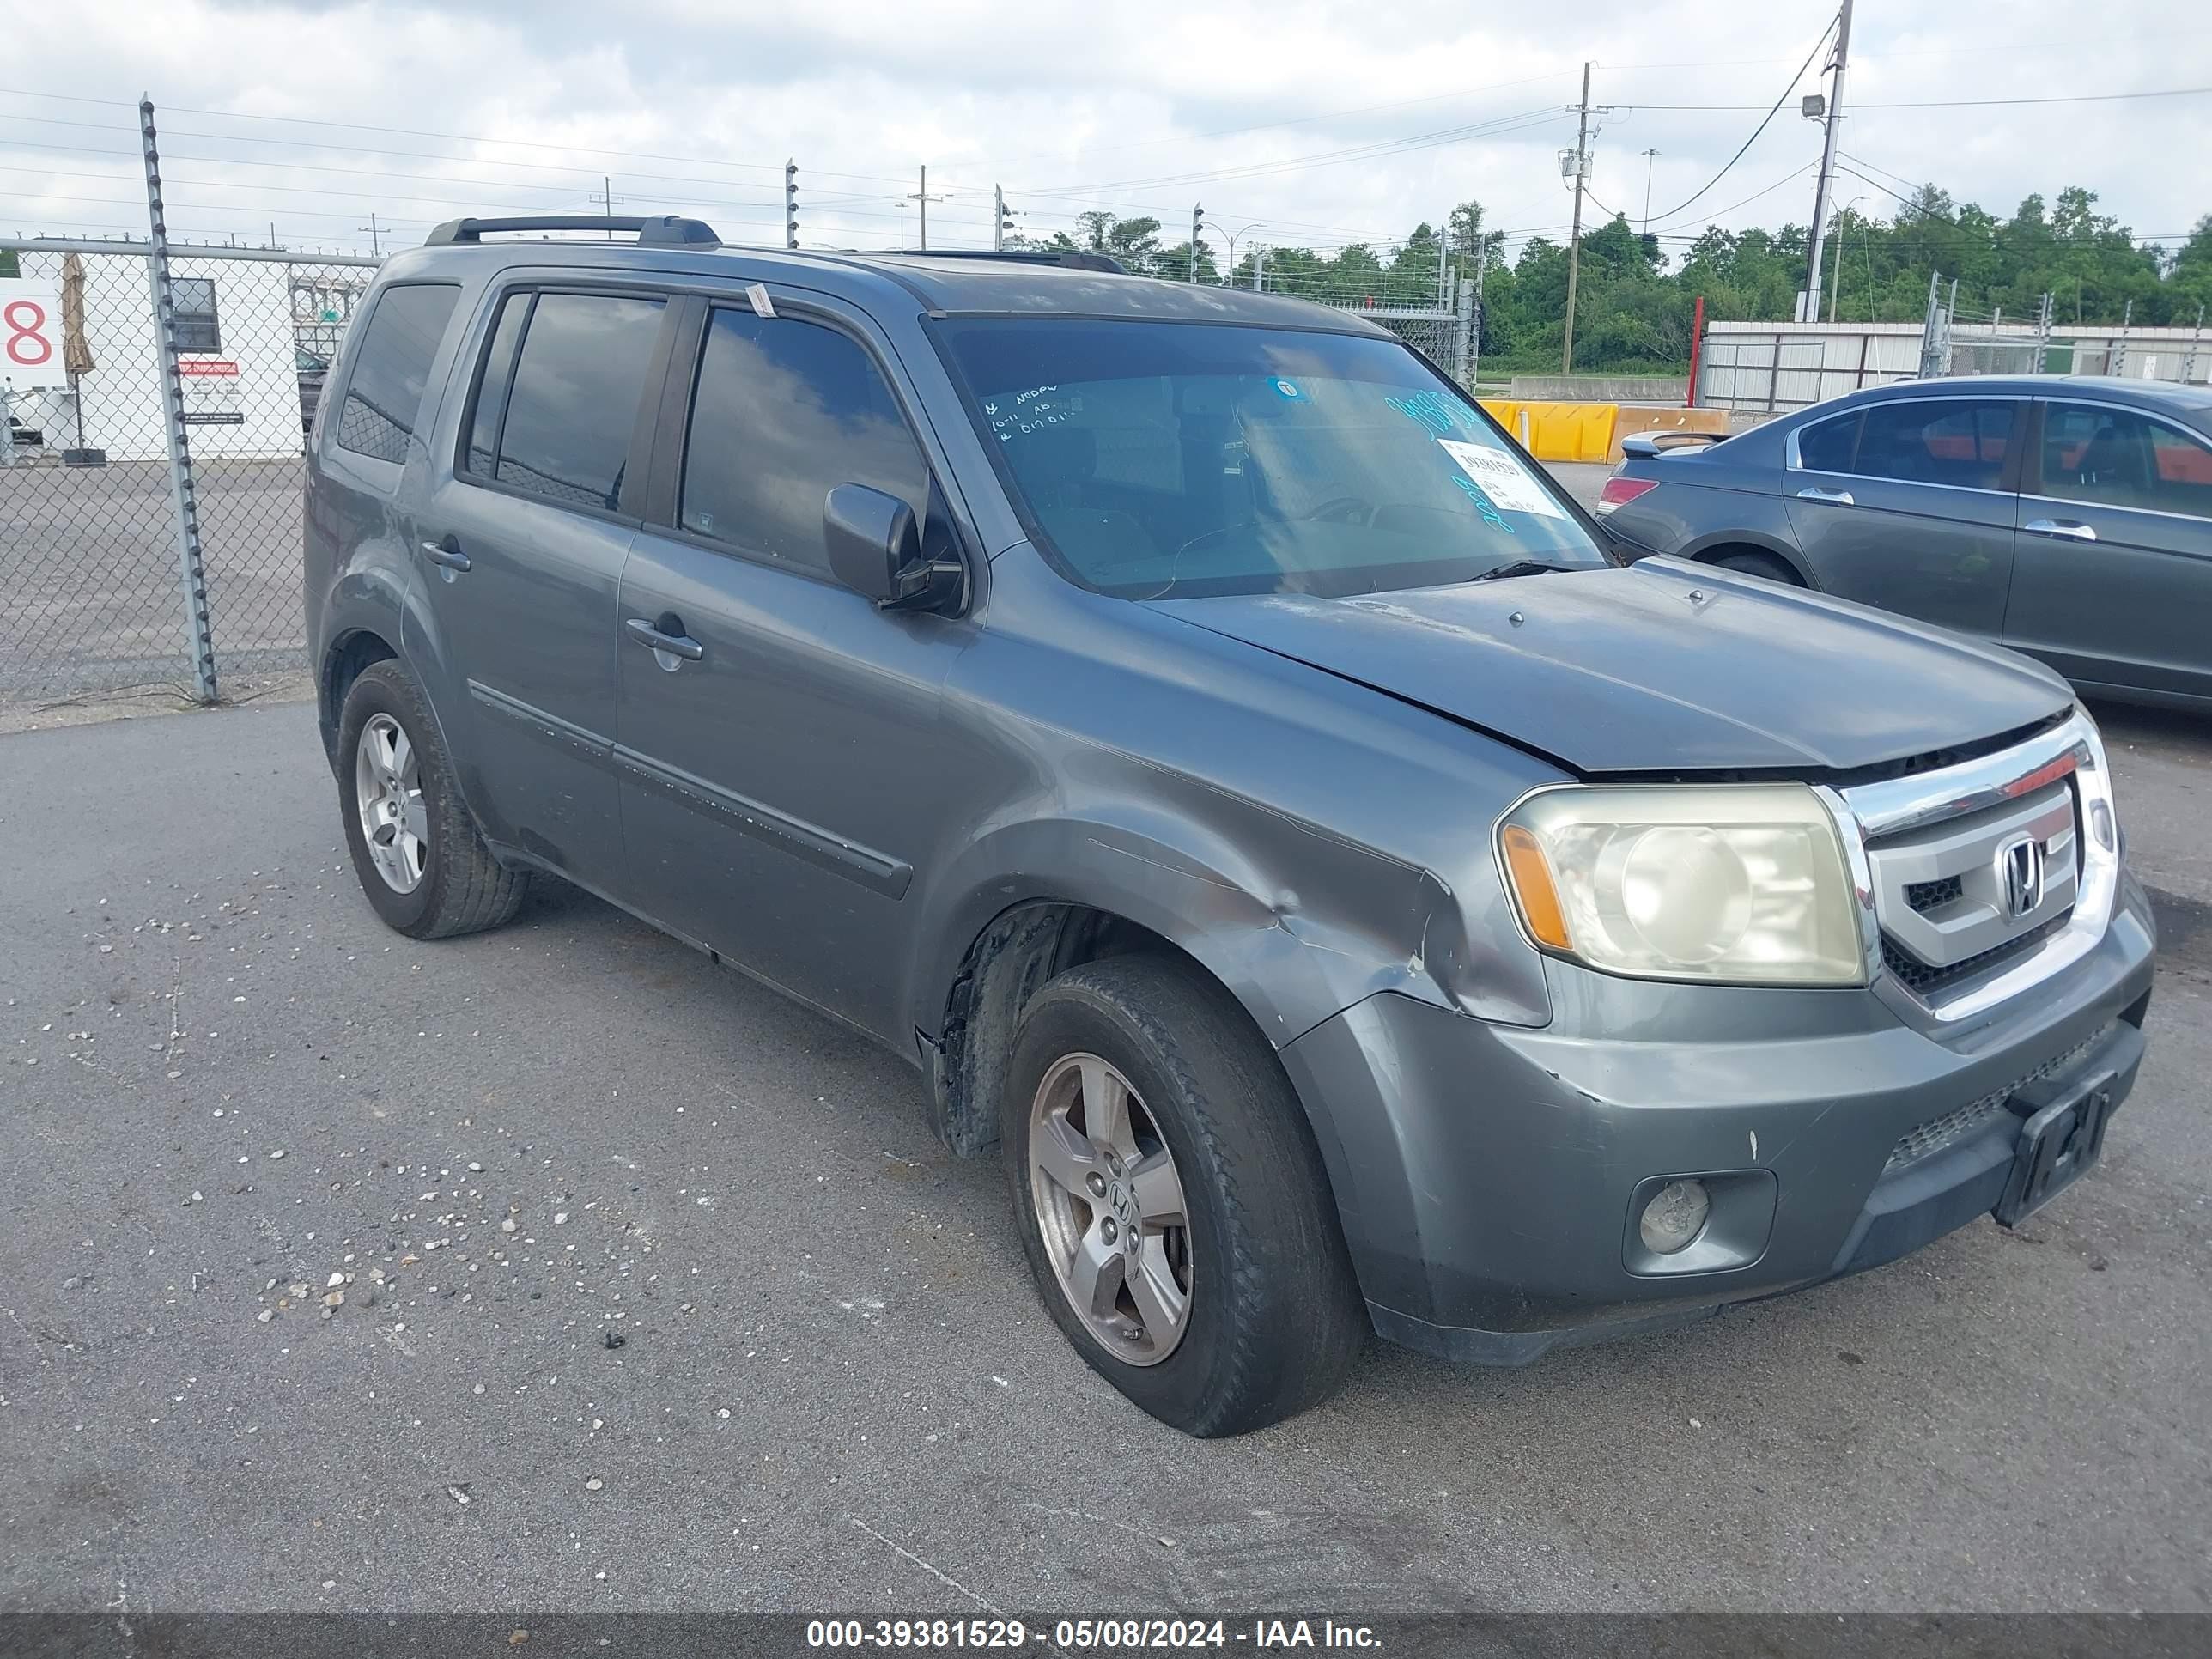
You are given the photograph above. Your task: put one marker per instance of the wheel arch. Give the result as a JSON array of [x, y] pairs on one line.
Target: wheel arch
[[1290, 949], [348, 655], [1709, 549]]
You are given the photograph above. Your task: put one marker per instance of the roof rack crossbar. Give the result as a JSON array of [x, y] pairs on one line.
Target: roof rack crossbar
[[662, 230]]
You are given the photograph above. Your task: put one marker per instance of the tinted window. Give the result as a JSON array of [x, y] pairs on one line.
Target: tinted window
[[491, 392], [1180, 460], [1826, 446], [1942, 442], [383, 394], [2115, 457], [574, 402], [786, 411]]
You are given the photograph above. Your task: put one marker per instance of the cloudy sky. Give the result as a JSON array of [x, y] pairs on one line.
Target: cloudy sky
[[1316, 123]]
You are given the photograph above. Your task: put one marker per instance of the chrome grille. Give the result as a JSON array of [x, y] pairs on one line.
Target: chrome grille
[[1924, 980], [1944, 861], [1941, 893]]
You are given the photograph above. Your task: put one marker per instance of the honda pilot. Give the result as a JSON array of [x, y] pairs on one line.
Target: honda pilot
[[1185, 728]]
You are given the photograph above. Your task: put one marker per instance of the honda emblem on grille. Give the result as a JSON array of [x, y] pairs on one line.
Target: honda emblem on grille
[[2020, 874]]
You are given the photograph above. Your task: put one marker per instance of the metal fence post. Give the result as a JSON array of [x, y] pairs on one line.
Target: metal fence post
[[191, 569], [1463, 303]]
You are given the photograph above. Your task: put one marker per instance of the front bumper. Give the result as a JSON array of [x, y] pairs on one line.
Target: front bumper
[[1487, 1175]]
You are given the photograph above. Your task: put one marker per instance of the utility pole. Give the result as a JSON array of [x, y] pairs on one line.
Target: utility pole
[[1581, 168], [790, 204], [1474, 321], [1810, 311], [1001, 220], [1649, 156], [923, 197], [609, 201], [1197, 218]]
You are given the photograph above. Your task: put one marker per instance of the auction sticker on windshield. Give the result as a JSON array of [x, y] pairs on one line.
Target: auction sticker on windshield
[[1503, 479]]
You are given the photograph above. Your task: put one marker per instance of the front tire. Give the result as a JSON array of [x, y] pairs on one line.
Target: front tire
[[422, 866], [1174, 1209]]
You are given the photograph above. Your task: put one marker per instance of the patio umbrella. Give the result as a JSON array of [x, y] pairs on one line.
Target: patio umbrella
[[77, 352]]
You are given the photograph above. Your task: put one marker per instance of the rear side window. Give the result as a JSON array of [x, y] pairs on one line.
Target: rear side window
[[2109, 457], [1951, 441], [572, 403], [784, 412], [383, 394], [1826, 445]]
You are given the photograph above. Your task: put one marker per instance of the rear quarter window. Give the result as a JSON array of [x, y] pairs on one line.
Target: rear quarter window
[[1826, 445], [384, 393]]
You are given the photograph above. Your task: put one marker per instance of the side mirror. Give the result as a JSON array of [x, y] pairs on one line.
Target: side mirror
[[874, 546]]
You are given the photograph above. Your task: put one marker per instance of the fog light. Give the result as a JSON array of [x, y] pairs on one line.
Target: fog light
[[1674, 1217]]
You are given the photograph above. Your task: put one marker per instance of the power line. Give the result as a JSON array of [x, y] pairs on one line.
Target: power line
[[1764, 121], [1719, 214], [1321, 158], [1965, 103]]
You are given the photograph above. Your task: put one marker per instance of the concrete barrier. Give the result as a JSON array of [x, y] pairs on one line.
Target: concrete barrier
[[1600, 389]]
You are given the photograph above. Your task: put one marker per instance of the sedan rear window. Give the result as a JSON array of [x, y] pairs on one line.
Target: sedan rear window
[[1158, 459]]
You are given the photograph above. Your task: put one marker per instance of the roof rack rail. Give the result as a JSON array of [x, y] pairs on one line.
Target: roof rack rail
[[663, 230], [1072, 258]]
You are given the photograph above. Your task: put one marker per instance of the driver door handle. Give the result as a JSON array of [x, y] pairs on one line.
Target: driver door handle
[[675, 644], [2069, 530], [1815, 493], [447, 553]]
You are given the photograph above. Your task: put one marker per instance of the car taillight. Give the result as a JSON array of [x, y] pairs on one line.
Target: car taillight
[[1618, 492]]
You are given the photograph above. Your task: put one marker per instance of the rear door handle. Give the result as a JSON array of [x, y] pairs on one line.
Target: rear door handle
[[447, 553], [678, 644], [1814, 493], [2067, 529]]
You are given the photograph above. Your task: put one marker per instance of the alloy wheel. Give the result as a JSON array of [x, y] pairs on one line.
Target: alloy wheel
[[1109, 1205], [388, 776]]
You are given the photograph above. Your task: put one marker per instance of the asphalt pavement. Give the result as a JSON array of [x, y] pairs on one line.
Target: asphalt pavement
[[90, 599], [657, 1294]]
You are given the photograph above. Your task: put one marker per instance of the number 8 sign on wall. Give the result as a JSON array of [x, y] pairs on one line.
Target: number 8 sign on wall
[[30, 332]]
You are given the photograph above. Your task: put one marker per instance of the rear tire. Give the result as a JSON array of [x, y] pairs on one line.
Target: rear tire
[[419, 860], [1750, 561], [1270, 1316]]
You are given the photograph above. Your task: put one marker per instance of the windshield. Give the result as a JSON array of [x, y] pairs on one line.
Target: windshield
[[1180, 459]]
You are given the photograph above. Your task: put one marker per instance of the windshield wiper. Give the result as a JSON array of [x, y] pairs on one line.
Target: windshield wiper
[[1518, 567]]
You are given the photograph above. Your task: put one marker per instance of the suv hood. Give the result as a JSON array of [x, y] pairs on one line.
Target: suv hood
[[1662, 666]]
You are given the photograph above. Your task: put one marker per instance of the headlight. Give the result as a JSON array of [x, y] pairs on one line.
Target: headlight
[[1731, 883]]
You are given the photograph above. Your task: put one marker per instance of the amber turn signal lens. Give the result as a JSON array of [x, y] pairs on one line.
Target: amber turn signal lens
[[1532, 884]]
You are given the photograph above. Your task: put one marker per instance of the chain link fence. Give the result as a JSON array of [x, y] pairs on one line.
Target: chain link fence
[[1444, 336], [93, 578]]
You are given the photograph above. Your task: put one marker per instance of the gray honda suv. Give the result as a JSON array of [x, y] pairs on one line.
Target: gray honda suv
[[1249, 791]]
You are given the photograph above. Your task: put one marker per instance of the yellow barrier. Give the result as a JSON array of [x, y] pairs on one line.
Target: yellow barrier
[[1558, 432], [1632, 420]]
